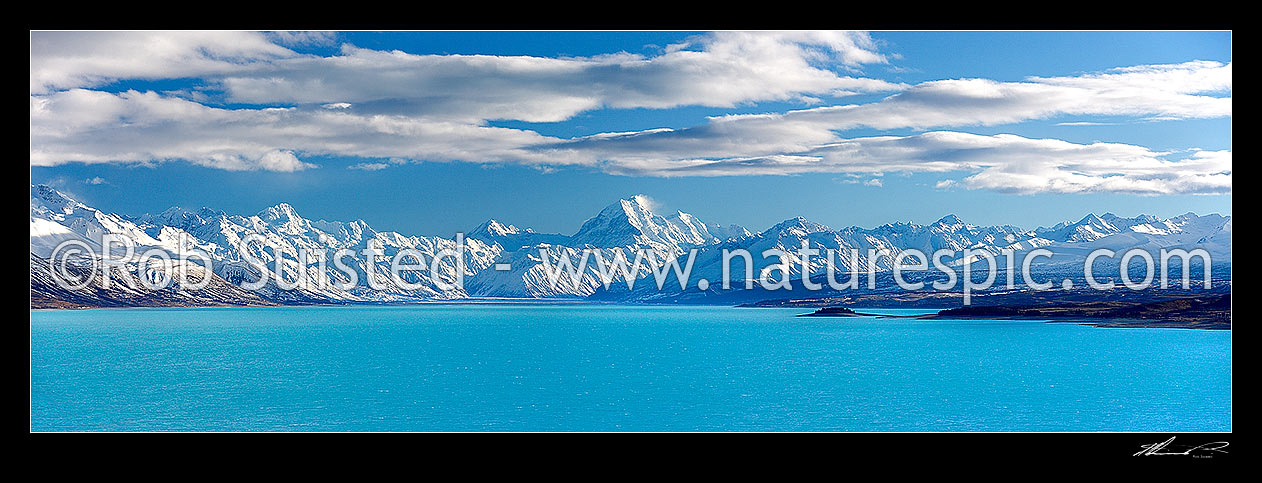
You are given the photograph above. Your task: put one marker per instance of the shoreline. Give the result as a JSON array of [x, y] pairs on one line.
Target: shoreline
[[825, 312], [458, 302], [1189, 313]]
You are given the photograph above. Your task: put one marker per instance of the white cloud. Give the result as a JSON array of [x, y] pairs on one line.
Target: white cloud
[[1004, 162], [1086, 123], [723, 69], [138, 127], [298, 38], [282, 161], [650, 203], [393, 105], [1138, 172], [144, 127], [1187, 78], [1136, 91], [64, 60], [369, 166], [97, 180]]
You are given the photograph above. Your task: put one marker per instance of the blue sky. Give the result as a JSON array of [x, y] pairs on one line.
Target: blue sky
[[1116, 122]]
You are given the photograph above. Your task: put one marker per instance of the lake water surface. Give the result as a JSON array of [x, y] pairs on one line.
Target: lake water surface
[[612, 368]]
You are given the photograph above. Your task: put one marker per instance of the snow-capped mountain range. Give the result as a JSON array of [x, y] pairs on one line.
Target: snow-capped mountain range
[[503, 260]]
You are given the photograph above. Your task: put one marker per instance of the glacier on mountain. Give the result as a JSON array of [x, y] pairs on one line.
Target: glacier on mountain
[[503, 260]]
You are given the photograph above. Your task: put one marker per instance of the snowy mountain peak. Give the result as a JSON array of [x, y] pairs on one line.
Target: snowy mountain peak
[[1092, 219], [174, 211], [49, 198], [494, 229], [1119, 221], [1093, 227], [950, 220], [350, 233], [209, 213], [1189, 216], [511, 237], [279, 212], [797, 226], [683, 217], [1089, 228], [631, 221], [631, 207], [178, 217], [726, 232], [641, 200], [626, 223], [175, 216]]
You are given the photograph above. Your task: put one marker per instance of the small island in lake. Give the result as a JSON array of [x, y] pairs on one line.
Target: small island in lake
[[1209, 311]]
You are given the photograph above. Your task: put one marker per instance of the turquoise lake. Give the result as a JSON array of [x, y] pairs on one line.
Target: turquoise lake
[[612, 368]]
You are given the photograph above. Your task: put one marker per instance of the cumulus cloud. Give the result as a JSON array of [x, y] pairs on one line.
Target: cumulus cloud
[[282, 161]]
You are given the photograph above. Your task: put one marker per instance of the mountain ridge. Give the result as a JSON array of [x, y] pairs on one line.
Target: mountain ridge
[[620, 228]]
